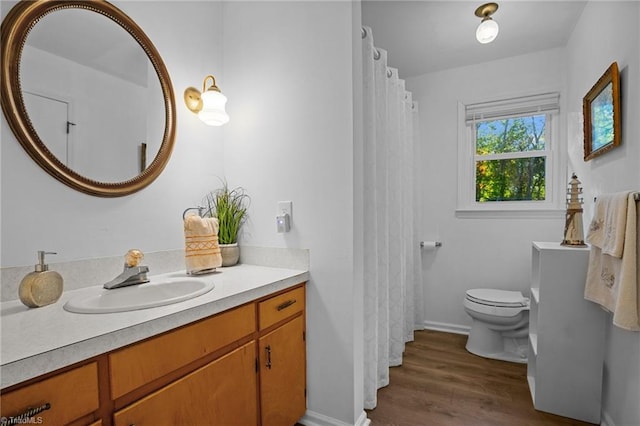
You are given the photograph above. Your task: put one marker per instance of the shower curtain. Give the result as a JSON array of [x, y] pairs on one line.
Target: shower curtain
[[391, 272]]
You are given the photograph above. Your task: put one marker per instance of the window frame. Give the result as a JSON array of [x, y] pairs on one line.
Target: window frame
[[512, 107]]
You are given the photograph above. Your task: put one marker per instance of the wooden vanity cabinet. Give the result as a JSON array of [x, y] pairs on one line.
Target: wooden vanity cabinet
[[222, 392], [255, 371], [282, 358], [72, 397], [142, 363], [245, 366]]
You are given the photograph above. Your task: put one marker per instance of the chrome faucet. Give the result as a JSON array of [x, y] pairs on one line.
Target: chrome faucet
[[133, 272]]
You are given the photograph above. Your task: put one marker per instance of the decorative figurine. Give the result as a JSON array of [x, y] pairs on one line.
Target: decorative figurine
[[573, 229]]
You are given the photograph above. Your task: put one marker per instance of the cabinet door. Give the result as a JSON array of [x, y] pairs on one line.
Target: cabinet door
[[283, 374], [223, 392], [139, 364], [69, 396]]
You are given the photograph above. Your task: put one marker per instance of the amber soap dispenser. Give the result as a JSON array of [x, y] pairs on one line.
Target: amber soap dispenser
[[41, 287]]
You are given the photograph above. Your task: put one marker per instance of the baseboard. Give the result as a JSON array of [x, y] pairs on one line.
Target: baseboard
[[312, 418], [446, 327]]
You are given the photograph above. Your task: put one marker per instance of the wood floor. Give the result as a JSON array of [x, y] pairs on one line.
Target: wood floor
[[440, 383]]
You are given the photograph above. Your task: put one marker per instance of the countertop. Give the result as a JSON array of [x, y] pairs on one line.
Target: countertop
[[545, 245], [41, 340]]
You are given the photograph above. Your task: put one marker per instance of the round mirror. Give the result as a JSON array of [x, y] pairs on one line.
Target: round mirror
[[87, 95]]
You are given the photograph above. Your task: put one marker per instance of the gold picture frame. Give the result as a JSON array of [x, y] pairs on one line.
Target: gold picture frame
[[601, 109]]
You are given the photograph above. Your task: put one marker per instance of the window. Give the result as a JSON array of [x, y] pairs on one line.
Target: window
[[507, 155], [510, 159]]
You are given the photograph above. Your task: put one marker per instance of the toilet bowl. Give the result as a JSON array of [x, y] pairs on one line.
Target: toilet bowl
[[500, 325]]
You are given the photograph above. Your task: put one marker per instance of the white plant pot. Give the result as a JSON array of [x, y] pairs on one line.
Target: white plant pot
[[230, 254]]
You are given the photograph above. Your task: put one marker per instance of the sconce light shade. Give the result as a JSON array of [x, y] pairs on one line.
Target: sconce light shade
[[488, 29], [213, 108], [209, 104]]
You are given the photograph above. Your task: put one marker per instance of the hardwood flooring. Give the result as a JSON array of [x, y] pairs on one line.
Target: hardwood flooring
[[441, 384]]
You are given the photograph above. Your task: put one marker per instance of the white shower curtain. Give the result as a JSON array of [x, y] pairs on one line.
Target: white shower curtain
[[391, 272]]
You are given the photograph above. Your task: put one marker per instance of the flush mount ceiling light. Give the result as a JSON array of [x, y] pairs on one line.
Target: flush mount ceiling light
[[208, 104], [488, 28]]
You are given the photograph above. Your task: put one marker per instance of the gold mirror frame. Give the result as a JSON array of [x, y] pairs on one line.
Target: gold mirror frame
[[15, 29]]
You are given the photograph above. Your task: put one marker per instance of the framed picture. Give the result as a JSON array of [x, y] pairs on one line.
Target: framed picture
[[601, 108]]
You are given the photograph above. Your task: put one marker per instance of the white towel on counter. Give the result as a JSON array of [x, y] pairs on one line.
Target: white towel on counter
[[612, 275]]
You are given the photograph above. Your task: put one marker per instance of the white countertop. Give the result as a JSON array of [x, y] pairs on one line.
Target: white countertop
[[41, 340]]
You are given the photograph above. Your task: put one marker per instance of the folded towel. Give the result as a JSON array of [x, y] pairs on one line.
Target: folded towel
[[612, 279], [606, 230], [202, 251]]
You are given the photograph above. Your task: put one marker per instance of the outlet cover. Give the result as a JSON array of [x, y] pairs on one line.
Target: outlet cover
[[285, 207]]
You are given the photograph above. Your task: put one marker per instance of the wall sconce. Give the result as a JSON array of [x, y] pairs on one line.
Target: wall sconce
[[488, 29], [208, 104]]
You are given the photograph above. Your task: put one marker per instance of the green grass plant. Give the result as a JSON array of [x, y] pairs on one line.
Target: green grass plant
[[230, 207]]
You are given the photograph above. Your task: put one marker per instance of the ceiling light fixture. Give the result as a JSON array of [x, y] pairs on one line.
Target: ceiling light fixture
[[488, 28], [208, 104]]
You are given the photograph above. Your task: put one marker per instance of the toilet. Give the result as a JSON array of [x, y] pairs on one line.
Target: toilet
[[500, 326]]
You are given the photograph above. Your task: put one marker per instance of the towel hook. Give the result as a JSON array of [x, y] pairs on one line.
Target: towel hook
[[199, 208]]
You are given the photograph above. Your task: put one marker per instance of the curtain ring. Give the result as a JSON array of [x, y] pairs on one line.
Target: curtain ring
[[389, 73], [364, 32], [376, 54]]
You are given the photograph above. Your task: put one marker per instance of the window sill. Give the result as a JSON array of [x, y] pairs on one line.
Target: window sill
[[522, 213]]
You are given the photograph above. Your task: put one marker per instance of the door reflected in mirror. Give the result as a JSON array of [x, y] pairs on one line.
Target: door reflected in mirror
[[91, 94]]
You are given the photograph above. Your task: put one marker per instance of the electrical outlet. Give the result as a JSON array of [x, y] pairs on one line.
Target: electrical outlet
[[283, 216], [285, 207]]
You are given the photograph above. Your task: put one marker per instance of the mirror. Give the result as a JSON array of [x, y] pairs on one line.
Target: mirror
[[87, 95]]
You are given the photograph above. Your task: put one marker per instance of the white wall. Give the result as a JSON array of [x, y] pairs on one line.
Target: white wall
[[475, 252], [38, 212], [288, 68], [608, 32]]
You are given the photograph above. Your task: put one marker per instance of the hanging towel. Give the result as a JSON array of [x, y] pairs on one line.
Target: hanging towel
[[608, 225], [612, 276], [202, 251]]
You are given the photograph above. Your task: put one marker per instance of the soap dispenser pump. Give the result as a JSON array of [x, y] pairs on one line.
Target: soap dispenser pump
[[41, 287]]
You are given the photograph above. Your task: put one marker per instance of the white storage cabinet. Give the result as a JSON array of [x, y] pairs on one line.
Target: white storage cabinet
[[566, 335]]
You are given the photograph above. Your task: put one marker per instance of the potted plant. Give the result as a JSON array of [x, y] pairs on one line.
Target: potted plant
[[230, 207]]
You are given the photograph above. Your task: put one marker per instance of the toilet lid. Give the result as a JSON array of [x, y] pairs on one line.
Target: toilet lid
[[488, 296]]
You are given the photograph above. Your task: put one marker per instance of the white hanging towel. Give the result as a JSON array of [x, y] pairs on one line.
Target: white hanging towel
[[612, 275]]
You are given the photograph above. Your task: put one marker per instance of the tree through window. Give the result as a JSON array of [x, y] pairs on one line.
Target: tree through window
[[510, 159]]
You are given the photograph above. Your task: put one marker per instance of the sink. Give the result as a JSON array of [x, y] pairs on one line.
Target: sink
[[161, 290]]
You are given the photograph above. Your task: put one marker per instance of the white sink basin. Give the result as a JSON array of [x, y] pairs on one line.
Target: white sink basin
[[159, 291]]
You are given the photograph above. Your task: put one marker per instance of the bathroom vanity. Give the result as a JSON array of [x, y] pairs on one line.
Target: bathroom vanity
[[235, 355], [566, 335]]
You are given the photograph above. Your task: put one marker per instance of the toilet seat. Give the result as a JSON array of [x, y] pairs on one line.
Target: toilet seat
[[497, 298]]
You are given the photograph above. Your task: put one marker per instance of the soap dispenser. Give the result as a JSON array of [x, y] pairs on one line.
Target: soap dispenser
[[42, 286]]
